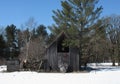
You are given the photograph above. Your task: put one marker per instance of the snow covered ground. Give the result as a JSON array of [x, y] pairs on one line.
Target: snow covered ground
[[105, 75]]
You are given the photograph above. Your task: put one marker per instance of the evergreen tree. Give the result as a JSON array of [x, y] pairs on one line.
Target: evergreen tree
[[77, 18], [41, 31], [11, 36], [2, 46], [98, 42]]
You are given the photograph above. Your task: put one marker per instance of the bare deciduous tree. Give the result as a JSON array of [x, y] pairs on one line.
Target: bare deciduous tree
[[114, 37]]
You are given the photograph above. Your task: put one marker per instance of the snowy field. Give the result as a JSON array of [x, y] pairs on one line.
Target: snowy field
[[106, 74]]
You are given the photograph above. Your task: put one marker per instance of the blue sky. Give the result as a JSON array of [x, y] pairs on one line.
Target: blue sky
[[19, 11], [110, 7]]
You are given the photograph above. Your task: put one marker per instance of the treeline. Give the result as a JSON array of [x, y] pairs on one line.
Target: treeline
[[101, 44], [98, 39], [28, 41]]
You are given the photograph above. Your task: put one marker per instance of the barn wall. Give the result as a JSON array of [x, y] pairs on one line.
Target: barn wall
[[63, 60], [13, 65], [52, 56], [74, 59]]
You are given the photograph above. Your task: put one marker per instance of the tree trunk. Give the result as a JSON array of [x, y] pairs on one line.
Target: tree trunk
[[113, 62], [40, 65], [118, 60], [118, 55], [80, 58]]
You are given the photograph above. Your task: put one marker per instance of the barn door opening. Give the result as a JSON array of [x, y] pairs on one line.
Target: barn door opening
[[60, 47]]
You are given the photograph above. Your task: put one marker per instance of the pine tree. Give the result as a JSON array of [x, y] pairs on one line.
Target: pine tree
[[10, 34], [41, 31], [77, 18], [2, 46], [11, 40]]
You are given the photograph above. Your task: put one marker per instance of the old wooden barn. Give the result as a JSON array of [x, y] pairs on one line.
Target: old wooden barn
[[61, 58]]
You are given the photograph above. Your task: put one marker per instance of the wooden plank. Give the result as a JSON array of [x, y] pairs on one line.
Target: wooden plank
[[13, 65]]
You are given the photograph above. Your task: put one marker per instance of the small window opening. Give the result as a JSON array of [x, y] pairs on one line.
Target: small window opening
[[60, 47]]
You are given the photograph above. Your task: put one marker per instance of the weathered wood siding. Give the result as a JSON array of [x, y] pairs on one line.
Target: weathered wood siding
[[52, 56], [13, 65], [63, 60], [74, 59], [55, 59]]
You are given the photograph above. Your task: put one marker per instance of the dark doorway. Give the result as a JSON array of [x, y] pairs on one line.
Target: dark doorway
[[60, 47]]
